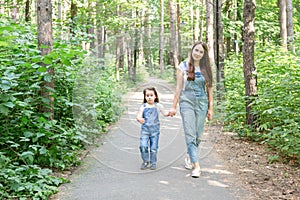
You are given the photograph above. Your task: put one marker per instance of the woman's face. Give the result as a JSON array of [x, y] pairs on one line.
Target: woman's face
[[198, 52]]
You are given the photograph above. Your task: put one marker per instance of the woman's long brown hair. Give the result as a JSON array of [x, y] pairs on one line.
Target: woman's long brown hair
[[204, 65]]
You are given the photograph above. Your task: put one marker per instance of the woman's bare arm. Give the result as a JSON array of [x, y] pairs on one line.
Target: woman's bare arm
[[210, 103]]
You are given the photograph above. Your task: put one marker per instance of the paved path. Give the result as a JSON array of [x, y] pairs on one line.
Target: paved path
[[111, 171]]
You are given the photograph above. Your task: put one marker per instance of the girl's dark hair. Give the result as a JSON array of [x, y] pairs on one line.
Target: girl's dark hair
[[155, 92], [204, 65]]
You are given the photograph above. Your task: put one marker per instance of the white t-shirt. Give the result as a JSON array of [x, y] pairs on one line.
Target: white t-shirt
[[183, 67], [159, 106]]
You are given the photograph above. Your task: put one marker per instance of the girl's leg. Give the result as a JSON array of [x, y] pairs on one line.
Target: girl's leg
[[154, 138], [144, 146]]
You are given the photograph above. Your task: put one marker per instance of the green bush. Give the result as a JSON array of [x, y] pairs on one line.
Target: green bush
[[277, 105], [32, 146]]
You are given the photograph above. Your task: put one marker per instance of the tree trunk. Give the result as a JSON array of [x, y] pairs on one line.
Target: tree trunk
[[209, 31], [178, 32], [100, 32], [290, 26], [44, 19], [173, 49], [237, 17], [73, 15], [219, 52], [2, 10], [201, 21], [161, 37], [147, 42], [135, 48], [192, 21], [228, 15], [250, 74], [91, 22], [14, 13], [129, 58], [197, 21], [27, 11], [282, 22]]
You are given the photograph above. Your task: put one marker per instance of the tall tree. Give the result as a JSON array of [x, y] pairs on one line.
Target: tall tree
[[147, 42], [228, 5], [27, 11], [161, 37], [290, 26], [250, 74], [282, 22], [100, 29], [15, 13], [209, 30], [219, 51], [173, 49], [178, 31], [44, 20], [201, 21], [197, 21]]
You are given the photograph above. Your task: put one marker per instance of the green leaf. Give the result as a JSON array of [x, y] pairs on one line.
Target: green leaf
[[66, 62], [48, 78], [47, 61], [28, 134], [42, 69], [5, 85], [28, 156], [4, 110], [9, 104]]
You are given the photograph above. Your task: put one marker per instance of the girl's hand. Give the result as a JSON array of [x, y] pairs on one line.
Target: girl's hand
[[209, 114], [141, 120]]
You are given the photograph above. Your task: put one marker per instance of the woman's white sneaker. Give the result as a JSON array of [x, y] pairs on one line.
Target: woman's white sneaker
[[196, 172], [188, 164]]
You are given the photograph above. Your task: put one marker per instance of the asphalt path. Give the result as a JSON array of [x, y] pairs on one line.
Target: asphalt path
[[111, 171]]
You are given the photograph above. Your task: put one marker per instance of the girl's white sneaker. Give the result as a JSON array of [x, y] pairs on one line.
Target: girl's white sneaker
[[196, 172]]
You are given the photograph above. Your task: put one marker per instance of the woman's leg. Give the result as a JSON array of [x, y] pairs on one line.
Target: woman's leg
[[189, 125]]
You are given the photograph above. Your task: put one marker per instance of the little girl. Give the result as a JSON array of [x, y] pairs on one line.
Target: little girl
[[148, 116]]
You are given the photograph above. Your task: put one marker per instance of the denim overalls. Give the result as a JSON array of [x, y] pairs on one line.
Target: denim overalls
[[193, 104], [150, 134]]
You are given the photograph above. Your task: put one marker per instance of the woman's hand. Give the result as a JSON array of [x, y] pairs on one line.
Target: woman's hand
[[209, 114], [172, 112]]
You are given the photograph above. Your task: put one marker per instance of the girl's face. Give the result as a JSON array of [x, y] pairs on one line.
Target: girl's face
[[150, 96], [198, 52]]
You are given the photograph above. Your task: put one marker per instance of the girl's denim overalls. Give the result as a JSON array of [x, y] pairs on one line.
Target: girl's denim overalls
[[150, 134], [193, 104]]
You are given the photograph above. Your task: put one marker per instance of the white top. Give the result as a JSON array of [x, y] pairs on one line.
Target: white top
[[159, 106], [184, 68]]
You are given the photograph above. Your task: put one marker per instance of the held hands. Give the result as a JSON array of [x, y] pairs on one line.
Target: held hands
[[172, 112]]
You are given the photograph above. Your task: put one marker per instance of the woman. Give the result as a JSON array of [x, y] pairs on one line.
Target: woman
[[194, 93]]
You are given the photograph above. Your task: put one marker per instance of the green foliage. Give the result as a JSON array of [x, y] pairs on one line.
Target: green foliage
[[234, 93], [27, 181], [31, 145], [277, 105]]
